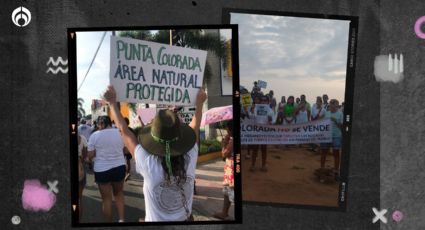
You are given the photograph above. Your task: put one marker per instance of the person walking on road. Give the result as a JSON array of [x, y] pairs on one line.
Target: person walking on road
[[109, 166], [165, 152]]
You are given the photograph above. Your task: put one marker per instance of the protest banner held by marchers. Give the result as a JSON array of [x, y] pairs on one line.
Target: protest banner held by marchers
[[312, 132], [155, 73]]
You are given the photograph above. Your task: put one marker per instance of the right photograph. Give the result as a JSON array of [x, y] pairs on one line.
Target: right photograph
[[296, 75]]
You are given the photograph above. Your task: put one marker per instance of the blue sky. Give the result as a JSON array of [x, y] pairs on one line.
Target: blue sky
[[293, 55], [98, 78]]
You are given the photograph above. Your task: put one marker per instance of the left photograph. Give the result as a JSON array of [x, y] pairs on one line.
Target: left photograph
[[152, 133]]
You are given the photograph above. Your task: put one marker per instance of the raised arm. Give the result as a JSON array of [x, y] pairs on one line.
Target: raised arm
[[128, 137], [196, 120]]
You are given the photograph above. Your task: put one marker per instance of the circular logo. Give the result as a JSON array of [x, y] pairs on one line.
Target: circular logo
[[21, 16], [16, 220], [169, 196]]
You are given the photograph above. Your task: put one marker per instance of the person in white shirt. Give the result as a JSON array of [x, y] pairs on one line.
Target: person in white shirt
[[262, 114], [84, 129], [165, 152], [302, 114], [109, 166], [318, 111]]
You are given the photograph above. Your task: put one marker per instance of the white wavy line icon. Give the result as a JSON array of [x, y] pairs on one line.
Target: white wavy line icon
[[57, 70], [56, 63]]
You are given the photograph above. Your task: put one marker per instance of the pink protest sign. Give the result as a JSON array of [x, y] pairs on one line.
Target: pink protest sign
[[146, 114], [217, 114]]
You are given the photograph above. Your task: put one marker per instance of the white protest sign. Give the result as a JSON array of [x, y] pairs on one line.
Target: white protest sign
[[186, 117], [319, 131], [262, 84], [262, 110], [149, 72]]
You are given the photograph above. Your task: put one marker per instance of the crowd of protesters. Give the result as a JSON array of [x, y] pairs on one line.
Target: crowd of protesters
[[165, 153], [265, 110]]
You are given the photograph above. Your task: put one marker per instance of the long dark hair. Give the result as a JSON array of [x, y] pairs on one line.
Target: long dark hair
[[106, 120], [178, 165], [293, 100]]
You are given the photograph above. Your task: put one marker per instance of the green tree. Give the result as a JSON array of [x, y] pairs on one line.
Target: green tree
[[88, 117], [132, 107], [80, 111]]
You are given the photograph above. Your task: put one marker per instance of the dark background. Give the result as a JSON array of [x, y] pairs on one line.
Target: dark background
[[387, 139]]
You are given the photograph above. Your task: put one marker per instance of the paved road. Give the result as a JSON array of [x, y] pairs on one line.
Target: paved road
[[208, 198]]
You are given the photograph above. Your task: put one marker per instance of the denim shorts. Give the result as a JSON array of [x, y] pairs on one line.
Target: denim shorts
[[336, 143], [116, 174]]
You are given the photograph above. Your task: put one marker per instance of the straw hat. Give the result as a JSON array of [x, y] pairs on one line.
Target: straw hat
[[166, 132]]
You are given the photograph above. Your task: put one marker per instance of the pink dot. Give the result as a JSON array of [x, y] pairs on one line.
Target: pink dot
[[36, 197], [397, 216]]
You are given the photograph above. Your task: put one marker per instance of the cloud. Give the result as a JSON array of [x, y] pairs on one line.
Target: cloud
[[291, 48]]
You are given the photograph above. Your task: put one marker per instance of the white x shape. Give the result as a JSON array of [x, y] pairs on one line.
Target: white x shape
[[379, 215], [53, 186]]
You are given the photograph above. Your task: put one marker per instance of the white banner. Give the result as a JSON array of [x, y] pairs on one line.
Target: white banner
[[155, 73], [313, 132]]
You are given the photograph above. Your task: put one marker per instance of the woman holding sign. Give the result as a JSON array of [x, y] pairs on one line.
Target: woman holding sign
[[165, 152]]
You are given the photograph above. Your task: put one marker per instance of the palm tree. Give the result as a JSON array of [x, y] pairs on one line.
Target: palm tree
[[196, 39], [81, 112], [137, 34], [132, 107]]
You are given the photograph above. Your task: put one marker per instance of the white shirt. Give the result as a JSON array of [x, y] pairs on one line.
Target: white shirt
[[261, 114], [315, 111], [85, 130], [164, 202], [336, 132], [83, 143], [109, 149], [302, 117]]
